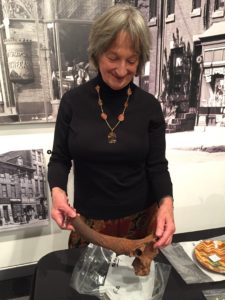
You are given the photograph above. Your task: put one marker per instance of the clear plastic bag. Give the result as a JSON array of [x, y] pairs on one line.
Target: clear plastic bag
[[90, 270], [101, 273], [216, 294]]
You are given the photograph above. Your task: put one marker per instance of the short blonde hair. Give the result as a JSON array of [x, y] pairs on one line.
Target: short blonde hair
[[118, 18]]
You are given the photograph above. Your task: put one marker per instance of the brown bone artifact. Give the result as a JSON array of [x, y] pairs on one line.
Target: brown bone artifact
[[142, 249]]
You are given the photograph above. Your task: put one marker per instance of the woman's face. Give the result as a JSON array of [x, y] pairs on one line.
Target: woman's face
[[118, 64]]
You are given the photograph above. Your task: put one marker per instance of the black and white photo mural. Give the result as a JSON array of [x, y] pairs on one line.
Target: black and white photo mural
[[43, 53], [23, 200]]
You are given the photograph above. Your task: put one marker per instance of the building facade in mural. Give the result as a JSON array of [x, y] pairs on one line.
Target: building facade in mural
[[43, 53], [189, 48], [23, 198]]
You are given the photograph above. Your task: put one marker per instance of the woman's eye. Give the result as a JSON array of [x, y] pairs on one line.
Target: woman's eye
[[131, 62], [112, 58]]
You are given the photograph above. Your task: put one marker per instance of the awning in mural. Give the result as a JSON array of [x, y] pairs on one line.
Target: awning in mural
[[216, 29]]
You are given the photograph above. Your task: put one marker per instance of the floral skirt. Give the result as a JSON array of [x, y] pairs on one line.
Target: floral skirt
[[135, 226]]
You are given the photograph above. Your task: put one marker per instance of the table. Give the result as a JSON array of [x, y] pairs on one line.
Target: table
[[53, 272]]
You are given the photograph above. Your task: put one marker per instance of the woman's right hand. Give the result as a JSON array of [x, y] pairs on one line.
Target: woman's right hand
[[61, 210]]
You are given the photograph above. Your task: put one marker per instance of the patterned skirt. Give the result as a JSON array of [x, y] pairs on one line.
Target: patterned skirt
[[135, 226]]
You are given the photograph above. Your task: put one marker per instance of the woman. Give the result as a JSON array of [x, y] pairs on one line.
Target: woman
[[114, 132]]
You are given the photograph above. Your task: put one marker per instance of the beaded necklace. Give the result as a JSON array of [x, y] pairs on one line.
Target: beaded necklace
[[112, 138]]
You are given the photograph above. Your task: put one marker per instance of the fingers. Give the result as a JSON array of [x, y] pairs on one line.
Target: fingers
[[165, 239], [165, 226], [61, 211], [63, 215], [66, 224]]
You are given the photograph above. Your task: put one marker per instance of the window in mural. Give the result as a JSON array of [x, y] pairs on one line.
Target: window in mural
[[215, 84], [214, 92], [170, 7], [219, 5], [153, 9], [131, 2], [73, 57], [196, 8], [219, 89], [196, 4]]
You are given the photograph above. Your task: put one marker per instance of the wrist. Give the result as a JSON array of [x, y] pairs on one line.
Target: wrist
[[57, 189], [167, 200], [58, 193]]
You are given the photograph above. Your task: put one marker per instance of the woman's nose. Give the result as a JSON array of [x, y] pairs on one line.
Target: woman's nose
[[121, 69]]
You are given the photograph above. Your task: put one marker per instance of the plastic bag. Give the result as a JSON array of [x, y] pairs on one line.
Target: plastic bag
[[101, 273], [217, 294]]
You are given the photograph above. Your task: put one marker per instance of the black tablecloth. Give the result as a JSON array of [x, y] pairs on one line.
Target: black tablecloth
[[53, 273]]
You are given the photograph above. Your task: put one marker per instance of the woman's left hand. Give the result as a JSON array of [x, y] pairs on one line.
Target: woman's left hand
[[165, 226]]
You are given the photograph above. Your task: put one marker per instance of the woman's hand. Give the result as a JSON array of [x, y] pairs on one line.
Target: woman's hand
[[61, 210], [165, 226]]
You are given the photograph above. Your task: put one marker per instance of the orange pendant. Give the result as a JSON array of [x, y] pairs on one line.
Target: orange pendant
[[104, 116], [121, 117]]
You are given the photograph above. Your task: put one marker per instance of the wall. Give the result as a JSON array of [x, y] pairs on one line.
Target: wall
[[198, 179], [198, 170]]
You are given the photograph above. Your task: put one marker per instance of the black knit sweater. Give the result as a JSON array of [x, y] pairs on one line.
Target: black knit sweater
[[110, 180]]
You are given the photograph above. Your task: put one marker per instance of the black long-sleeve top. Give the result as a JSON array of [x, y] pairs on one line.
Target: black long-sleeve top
[[110, 180]]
